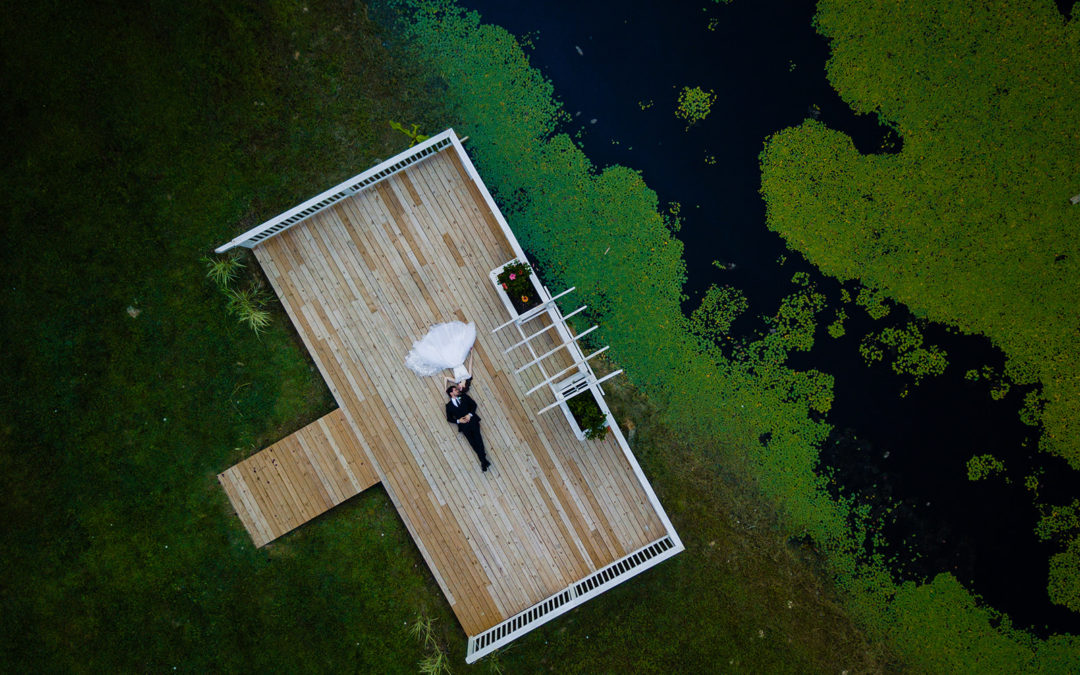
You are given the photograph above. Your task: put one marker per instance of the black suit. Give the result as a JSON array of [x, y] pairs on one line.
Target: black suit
[[471, 429]]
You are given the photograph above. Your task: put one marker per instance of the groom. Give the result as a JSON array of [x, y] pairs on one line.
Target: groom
[[461, 409]]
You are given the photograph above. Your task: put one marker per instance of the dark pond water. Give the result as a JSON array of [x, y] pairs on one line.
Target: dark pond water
[[766, 64]]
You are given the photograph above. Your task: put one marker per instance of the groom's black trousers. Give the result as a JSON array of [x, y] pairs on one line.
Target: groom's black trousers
[[472, 435]]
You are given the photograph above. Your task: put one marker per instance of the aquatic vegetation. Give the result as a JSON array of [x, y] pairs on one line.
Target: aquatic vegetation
[[874, 302], [970, 223], [909, 355], [795, 323], [694, 105], [1057, 522], [718, 310], [983, 466], [1061, 523], [603, 231], [1063, 584], [836, 328], [673, 217]]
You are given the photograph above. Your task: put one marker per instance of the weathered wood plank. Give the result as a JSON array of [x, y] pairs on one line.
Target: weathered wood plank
[[361, 281]]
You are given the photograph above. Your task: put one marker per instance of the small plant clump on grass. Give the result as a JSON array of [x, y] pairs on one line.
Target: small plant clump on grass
[[695, 104], [248, 304], [413, 133], [223, 271], [494, 661], [436, 662]]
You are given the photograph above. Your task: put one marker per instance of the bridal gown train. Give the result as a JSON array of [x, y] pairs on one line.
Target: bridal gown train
[[445, 346]]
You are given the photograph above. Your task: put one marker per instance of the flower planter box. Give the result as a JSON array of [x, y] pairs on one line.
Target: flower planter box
[[514, 305], [576, 383]]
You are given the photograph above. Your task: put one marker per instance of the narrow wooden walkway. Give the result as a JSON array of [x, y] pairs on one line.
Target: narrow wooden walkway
[[364, 278], [298, 478]]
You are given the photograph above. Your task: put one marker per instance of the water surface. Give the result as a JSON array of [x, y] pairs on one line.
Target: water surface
[[618, 68]]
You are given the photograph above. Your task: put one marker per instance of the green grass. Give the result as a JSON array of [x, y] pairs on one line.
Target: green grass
[[137, 142]]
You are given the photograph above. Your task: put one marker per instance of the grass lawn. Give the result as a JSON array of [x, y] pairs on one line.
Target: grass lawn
[[136, 141]]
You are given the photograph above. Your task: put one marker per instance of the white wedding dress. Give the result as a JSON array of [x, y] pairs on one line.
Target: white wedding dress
[[445, 346]]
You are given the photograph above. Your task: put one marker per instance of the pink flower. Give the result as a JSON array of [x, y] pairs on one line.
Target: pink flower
[[505, 287], [512, 276]]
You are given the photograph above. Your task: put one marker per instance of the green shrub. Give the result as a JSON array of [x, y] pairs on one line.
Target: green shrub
[[223, 271], [590, 418]]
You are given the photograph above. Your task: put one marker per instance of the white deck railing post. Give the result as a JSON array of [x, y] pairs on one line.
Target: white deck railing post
[[542, 330], [567, 370], [543, 356]]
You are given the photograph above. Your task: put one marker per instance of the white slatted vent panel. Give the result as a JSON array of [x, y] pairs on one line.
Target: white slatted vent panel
[[595, 583]]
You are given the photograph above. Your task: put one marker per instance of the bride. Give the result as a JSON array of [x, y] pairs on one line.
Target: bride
[[445, 346]]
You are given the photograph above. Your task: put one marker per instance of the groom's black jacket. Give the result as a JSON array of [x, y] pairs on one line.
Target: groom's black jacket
[[467, 406]]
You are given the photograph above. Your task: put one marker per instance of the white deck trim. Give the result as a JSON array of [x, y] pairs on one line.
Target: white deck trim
[[570, 597], [595, 583], [379, 172]]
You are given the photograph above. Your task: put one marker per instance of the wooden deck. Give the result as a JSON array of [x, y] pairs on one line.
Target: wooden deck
[[298, 478], [364, 278]]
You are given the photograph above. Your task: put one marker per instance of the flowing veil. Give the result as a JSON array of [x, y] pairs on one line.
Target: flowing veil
[[445, 346]]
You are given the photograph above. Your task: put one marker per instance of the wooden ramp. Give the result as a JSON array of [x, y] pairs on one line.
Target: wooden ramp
[[298, 478]]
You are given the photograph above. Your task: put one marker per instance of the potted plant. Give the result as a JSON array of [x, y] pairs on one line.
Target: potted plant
[[589, 417], [514, 281]]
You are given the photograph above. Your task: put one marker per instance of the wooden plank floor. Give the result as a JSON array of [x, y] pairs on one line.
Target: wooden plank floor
[[365, 278], [298, 478]]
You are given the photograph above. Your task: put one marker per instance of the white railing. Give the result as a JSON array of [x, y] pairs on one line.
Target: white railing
[[570, 597], [335, 194]]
